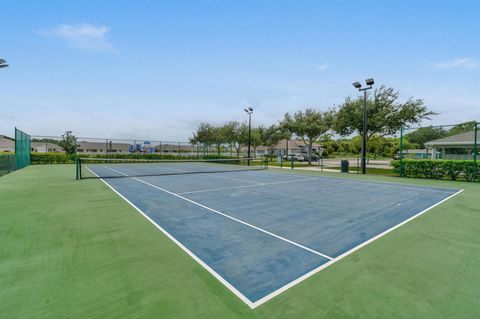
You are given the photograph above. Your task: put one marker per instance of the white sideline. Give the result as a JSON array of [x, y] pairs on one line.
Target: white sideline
[[190, 253], [226, 215], [275, 293]]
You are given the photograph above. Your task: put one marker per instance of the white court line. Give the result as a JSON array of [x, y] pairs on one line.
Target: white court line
[[275, 293], [226, 215], [345, 254], [375, 183], [246, 186], [190, 253]]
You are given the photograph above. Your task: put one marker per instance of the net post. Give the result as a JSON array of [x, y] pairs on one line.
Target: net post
[[76, 169], [475, 151], [401, 151], [292, 162]]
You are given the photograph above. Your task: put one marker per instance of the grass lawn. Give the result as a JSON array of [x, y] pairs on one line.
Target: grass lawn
[[74, 249]]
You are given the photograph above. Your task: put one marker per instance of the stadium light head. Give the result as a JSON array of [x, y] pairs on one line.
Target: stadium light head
[[357, 85], [249, 110], [369, 82]]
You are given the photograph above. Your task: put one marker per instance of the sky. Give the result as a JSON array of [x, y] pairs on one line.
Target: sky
[[156, 69]]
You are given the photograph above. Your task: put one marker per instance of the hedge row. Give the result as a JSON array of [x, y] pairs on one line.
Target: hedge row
[[62, 158], [438, 169]]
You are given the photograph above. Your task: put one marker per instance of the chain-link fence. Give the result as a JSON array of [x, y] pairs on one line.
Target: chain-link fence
[[93, 146]]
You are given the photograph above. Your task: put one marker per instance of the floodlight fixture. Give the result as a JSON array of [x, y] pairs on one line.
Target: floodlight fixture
[[357, 85], [370, 82]]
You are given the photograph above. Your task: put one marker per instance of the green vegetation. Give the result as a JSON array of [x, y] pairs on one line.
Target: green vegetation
[[309, 126], [438, 169], [62, 158], [386, 115], [425, 134], [68, 143], [74, 249]]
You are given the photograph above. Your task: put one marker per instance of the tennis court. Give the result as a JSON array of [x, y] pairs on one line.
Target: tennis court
[[262, 231]]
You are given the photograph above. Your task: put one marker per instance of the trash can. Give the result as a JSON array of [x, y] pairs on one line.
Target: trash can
[[344, 166]]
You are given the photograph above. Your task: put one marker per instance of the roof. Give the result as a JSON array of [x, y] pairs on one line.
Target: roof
[[6, 142], [462, 139]]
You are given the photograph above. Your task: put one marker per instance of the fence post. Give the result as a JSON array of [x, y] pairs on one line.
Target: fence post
[[401, 152]]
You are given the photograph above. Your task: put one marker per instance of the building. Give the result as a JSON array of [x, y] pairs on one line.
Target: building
[[422, 153], [7, 144], [455, 147], [45, 147], [284, 147], [107, 147]]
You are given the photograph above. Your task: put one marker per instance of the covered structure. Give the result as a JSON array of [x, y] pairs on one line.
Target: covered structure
[[456, 147]]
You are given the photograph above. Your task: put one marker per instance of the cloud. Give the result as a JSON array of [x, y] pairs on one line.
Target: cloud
[[464, 64], [84, 36], [322, 67]]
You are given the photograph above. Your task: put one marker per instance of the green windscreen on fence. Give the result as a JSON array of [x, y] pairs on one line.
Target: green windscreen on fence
[[7, 163], [22, 149]]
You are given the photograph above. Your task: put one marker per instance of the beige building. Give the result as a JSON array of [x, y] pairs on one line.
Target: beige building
[[7, 144], [45, 147]]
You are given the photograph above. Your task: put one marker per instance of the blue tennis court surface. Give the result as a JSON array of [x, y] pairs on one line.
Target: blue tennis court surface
[[259, 232]]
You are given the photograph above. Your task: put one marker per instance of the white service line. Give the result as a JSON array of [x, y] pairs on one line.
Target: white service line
[[345, 254], [226, 215], [275, 293], [227, 284], [246, 186]]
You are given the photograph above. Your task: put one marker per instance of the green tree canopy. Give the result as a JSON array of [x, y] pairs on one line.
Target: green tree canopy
[[425, 134], [272, 135], [461, 128], [386, 114], [309, 125], [205, 134], [68, 143]]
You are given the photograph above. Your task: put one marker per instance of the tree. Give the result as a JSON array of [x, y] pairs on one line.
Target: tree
[[256, 140], [236, 135], [425, 134], [203, 135], [69, 143], [309, 125], [461, 128], [272, 135], [386, 115]]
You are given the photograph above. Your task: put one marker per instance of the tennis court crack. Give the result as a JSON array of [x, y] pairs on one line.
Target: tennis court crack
[[227, 216]]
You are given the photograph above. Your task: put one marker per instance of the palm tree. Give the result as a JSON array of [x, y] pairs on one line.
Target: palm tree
[[3, 63]]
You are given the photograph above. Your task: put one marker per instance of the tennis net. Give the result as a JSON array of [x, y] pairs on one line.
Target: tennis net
[[115, 168]]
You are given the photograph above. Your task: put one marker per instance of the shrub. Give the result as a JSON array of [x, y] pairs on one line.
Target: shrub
[[438, 169], [62, 158]]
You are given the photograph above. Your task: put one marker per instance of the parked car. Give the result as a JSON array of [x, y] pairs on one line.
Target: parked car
[[295, 157]]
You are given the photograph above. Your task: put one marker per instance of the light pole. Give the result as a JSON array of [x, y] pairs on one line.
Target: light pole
[[249, 111], [358, 86]]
